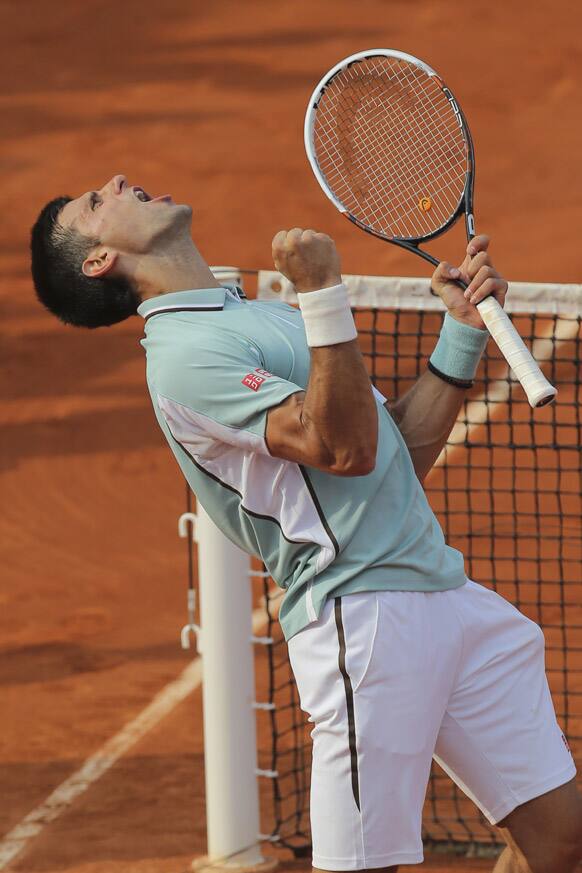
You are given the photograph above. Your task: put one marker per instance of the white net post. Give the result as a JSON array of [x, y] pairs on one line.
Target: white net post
[[230, 743]]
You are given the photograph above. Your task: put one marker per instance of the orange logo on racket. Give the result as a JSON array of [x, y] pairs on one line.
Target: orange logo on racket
[[424, 204]]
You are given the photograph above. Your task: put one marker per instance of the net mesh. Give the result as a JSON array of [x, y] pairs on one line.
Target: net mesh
[[390, 146], [507, 492]]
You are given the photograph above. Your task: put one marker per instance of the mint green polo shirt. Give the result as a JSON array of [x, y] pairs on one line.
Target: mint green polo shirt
[[216, 363]]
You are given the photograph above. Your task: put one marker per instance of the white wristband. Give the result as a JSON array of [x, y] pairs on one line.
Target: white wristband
[[327, 316]]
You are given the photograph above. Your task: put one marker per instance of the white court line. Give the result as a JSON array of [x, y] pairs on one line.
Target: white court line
[[62, 798]]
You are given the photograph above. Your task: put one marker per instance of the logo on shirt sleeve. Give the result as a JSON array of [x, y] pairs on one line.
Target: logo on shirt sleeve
[[255, 380]]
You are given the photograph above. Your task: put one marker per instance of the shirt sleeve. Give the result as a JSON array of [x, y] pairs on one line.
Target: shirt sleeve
[[378, 395], [216, 393]]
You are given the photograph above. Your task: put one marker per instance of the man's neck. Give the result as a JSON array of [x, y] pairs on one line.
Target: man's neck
[[176, 268]]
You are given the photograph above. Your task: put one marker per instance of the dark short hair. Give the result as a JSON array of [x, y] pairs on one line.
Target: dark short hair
[[57, 255]]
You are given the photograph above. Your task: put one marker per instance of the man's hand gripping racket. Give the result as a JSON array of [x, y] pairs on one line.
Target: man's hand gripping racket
[[478, 275], [390, 147]]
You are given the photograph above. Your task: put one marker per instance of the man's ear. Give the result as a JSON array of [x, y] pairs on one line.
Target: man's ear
[[99, 263]]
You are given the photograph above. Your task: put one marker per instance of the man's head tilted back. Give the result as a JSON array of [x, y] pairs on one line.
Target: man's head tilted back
[[88, 252]]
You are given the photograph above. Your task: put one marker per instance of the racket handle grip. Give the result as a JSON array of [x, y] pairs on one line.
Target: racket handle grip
[[537, 388]]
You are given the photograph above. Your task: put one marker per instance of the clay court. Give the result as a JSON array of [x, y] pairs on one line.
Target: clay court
[[204, 101]]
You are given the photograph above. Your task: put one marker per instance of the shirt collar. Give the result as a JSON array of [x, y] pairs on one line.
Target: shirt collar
[[200, 300]]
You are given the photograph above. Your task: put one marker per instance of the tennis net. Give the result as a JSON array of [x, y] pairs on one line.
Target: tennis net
[[507, 491]]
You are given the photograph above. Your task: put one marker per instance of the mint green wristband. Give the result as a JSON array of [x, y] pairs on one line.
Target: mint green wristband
[[459, 349]]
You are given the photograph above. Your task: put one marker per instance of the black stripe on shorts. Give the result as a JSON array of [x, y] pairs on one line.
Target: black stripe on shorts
[[349, 701]]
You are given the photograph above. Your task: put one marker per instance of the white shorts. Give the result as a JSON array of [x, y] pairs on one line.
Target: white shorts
[[391, 678]]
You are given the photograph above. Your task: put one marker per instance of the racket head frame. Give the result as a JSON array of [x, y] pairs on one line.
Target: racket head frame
[[465, 205]]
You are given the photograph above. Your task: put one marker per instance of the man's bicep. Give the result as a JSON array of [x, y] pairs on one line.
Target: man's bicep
[[287, 437], [285, 433]]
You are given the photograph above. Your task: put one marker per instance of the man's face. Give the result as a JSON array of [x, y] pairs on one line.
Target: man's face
[[118, 217]]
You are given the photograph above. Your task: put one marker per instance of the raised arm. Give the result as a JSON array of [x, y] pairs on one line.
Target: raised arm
[[334, 424], [425, 415]]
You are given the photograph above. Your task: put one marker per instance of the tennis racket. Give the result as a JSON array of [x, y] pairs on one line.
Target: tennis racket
[[391, 148]]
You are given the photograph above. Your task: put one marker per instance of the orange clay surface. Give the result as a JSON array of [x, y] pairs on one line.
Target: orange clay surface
[[204, 100]]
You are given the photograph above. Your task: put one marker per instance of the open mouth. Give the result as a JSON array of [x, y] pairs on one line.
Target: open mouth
[[141, 194], [144, 197]]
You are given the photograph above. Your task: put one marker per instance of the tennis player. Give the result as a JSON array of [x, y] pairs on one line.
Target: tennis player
[[273, 420]]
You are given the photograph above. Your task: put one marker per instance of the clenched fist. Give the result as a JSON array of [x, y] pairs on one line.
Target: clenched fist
[[308, 259]]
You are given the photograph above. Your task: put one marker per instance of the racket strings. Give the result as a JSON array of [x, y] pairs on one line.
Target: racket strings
[[411, 149], [416, 157], [397, 191], [417, 163], [390, 146], [384, 186], [396, 187]]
